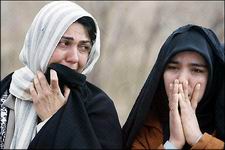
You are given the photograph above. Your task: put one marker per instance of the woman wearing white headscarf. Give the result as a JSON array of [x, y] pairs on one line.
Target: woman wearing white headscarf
[[79, 115]]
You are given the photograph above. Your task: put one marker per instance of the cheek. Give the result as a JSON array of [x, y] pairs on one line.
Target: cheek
[[203, 87], [56, 57], [83, 60], [203, 83], [168, 78]]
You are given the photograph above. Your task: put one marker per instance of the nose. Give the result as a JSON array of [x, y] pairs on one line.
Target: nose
[[183, 76], [73, 55]]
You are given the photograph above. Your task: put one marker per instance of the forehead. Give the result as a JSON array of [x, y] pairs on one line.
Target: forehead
[[76, 29], [188, 56]]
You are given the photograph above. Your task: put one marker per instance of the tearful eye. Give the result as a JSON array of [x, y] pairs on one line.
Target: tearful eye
[[84, 48], [197, 70], [171, 67], [63, 44]]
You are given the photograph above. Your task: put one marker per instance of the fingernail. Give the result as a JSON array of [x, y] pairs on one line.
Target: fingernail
[[171, 85], [53, 74], [198, 86], [53, 71]]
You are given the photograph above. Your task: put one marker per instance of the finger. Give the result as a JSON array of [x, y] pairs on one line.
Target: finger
[[180, 90], [33, 93], [66, 92], [175, 88], [181, 101], [173, 103], [195, 96], [170, 91], [54, 80], [185, 88], [174, 113], [43, 81], [37, 85], [182, 96], [174, 99]]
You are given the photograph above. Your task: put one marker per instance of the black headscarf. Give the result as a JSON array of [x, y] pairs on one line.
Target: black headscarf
[[87, 121], [210, 110]]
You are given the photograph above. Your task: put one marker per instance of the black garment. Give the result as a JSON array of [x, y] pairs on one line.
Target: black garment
[[210, 110], [5, 83], [87, 121]]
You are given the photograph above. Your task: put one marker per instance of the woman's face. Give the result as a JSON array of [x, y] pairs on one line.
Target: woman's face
[[187, 66], [73, 49]]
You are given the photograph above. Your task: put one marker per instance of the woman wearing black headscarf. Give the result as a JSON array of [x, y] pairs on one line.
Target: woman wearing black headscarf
[[48, 103], [182, 102]]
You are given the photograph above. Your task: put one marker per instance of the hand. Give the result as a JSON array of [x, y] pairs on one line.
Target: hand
[[176, 130], [187, 109], [47, 99]]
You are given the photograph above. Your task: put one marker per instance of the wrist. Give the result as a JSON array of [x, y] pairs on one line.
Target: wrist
[[45, 117], [169, 145], [41, 124], [198, 137], [176, 144]]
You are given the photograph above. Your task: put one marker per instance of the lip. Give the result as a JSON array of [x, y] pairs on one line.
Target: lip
[[74, 67]]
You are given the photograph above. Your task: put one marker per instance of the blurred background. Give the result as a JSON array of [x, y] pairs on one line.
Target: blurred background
[[132, 34]]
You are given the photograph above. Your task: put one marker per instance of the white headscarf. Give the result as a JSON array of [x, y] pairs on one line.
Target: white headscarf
[[45, 32]]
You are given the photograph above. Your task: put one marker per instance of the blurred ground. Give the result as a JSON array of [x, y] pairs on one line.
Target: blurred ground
[[131, 36]]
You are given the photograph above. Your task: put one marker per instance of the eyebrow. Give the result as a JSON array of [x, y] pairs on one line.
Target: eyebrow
[[72, 39], [192, 64], [67, 38], [198, 65]]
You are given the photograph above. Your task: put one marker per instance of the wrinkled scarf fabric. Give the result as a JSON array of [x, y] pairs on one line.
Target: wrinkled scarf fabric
[[41, 39], [74, 126], [194, 38]]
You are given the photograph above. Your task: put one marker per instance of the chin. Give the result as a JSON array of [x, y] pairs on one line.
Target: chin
[[73, 68], [77, 70]]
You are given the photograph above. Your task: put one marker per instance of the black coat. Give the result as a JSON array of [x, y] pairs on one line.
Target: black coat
[[87, 121], [210, 111]]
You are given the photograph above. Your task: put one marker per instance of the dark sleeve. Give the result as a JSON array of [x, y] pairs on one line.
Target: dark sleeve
[[207, 141], [104, 119], [5, 83]]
